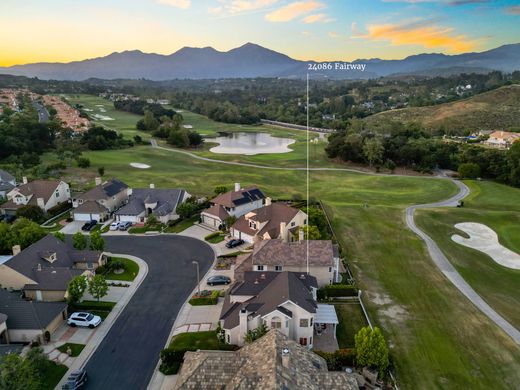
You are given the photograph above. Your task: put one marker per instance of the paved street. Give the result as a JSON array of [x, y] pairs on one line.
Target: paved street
[[43, 114], [126, 358]]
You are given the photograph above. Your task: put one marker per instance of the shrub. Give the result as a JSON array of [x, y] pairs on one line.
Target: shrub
[[336, 361], [203, 300], [58, 209], [83, 162], [469, 171], [337, 290], [170, 361], [212, 235]]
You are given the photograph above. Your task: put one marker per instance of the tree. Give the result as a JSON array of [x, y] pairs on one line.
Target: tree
[[373, 150], [255, 334], [17, 373], [149, 121], [220, 190], [513, 158], [31, 212], [83, 162], [152, 221], [310, 232], [230, 221], [97, 243], [79, 241], [186, 210], [25, 233], [371, 349], [60, 236], [179, 138], [76, 288], [101, 171], [98, 286], [469, 170], [38, 359]]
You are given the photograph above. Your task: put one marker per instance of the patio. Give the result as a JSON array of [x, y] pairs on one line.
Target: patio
[[325, 323]]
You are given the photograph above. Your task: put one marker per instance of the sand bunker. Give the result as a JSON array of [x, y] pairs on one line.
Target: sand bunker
[[140, 166], [484, 239], [102, 117]]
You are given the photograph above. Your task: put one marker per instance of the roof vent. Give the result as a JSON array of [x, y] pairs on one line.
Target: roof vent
[[262, 276], [256, 281], [39, 267], [302, 276], [285, 357]]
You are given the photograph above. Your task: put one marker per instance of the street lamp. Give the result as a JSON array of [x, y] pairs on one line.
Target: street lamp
[[198, 276]]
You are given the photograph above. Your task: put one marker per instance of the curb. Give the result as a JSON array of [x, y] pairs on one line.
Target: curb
[[90, 348]]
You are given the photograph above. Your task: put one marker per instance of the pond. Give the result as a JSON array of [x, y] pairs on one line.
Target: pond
[[250, 143]]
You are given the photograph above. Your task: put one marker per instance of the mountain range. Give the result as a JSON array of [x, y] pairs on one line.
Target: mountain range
[[251, 60]]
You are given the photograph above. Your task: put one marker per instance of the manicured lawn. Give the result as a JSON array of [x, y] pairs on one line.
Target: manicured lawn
[[75, 348], [182, 225], [131, 270], [144, 229], [496, 206], [195, 340], [52, 375], [101, 309], [438, 339], [351, 320], [216, 239]]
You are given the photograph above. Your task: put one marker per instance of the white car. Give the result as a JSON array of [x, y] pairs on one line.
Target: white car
[[114, 226], [88, 320]]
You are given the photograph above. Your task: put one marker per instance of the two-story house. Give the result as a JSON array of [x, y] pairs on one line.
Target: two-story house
[[285, 301], [7, 183], [232, 203], [101, 201], [45, 194], [502, 139], [272, 221], [319, 257], [43, 270]]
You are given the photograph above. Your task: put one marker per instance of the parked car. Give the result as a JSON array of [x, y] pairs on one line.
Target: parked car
[[76, 380], [87, 227], [218, 279], [115, 225], [234, 243], [7, 218], [88, 320], [125, 225]]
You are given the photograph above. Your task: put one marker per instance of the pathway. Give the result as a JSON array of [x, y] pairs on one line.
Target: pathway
[[447, 268]]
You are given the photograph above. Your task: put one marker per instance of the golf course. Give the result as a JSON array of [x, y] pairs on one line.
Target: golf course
[[437, 338]]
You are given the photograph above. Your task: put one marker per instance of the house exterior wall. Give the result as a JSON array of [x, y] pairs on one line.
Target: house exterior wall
[[298, 220], [115, 201], [27, 335], [210, 220], [47, 296], [60, 195], [240, 235], [9, 278]]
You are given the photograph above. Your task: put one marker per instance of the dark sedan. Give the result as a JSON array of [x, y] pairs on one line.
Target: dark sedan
[[218, 279], [89, 226], [234, 243]]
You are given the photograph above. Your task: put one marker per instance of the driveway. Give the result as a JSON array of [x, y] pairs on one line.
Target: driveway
[[72, 227], [127, 356]]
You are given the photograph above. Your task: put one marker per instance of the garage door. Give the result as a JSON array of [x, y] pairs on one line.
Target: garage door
[[85, 217]]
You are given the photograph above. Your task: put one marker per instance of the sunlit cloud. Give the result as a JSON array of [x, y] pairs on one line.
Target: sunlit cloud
[[422, 34], [293, 11], [515, 10], [333, 34], [317, 18], [234, 7], [182, 4]]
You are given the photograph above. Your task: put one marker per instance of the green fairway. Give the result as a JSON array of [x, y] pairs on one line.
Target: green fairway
[[496, 206]]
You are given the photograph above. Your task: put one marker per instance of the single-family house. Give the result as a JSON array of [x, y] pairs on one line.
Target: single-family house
[[272, 221], [23, 321], [45, 194], [285, 301], [274, 361], [101, 201], [43, 270], [152, 201], [320, 257], [7, 183], [233, 203], [502, 139]]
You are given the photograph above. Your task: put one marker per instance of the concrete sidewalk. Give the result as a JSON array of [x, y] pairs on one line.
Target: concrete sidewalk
[[100, 332]]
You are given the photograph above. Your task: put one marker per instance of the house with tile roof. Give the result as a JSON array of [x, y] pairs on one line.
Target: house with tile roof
[[232, 203], [272, 221], [45, 194], [144, 202], [274, 361], [285, 301], [101, 201], [43, 270], [320, 257], [23, 321], [502, 139], [7, 183]]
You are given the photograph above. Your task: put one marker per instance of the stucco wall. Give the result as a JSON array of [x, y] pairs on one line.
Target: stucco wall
[[9, 278]]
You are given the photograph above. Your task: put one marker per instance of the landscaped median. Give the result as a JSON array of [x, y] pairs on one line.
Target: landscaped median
[[119, 268], [206, 297], [215, 238]]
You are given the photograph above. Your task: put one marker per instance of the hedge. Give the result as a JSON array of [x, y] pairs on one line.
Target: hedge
[[171, 360], [211, 299], [337, 290], [336, 361]]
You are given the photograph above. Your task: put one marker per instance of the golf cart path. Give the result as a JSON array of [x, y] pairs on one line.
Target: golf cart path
[[435, 252], [447, 268]]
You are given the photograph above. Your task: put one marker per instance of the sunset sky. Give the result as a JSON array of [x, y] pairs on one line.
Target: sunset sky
[[68, 30]]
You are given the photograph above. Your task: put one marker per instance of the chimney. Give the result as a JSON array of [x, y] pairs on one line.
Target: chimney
[[24, 179], [98, 181], [301, 235], [16, 249], [152, 186], [242, 322], [39, 267], [282, 228], [237, 187], [268, 201], [41, 203], [285, 357]]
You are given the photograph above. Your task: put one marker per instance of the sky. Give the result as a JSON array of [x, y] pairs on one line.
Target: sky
[[70, 30]]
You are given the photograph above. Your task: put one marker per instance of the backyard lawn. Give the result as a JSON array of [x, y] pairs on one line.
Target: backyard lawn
[[351, 320], [131, 270], [75, 348]]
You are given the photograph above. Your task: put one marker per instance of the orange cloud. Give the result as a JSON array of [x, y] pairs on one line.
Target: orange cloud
[[317, 18], [232, 7], [182, 4], [416, 34], [293, 10]]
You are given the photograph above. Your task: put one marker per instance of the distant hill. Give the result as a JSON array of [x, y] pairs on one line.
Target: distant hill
[[498, 109], [251, 60]]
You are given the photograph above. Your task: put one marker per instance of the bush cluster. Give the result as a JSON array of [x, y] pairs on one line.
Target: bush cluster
[[337, 290], [210, 298]]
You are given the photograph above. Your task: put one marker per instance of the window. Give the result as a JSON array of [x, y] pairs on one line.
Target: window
[[90, 265], [312, 321], [293, 223], [286, 323], [278, 268], [330, 269], [57, 194], [303, 340], [260, 268], [276, 323], [228, 339], [305, 222], [304, 323], [310, 340]]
